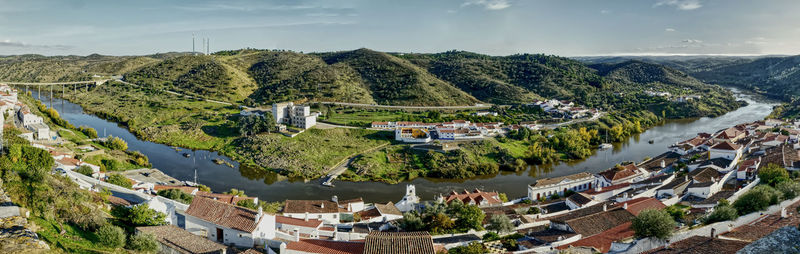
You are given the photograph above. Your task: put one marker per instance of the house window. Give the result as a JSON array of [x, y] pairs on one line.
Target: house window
[[240, 235], [319, 216]]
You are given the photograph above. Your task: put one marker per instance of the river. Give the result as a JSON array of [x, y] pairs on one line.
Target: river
[[269, 186]]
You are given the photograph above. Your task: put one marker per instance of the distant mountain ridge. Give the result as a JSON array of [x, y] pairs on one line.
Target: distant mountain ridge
[[366, 76]]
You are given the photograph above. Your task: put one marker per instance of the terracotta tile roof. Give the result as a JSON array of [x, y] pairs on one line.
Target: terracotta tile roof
[[580, 213], [310, 206], [476, 195], [726, 146], [702, 245], [614, 174], [223, 214], [555, 180], [398, 243], [326, 247], [311, 223], [704, 175], [388, 208], [250, 251], [580, 199], [227, 198], [635, 206], [69, 161], [118, 201], [729, 133], [602, 242], [596, 223], [550, 235], [696, 141], [182, 240]]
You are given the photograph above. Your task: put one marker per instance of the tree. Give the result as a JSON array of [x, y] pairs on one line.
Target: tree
[[503, 197], [88, 131], [119, 180], [116, 143], [236, 192], [411, 222], [472, 248], [653, 223], [440, 223], [677, 213], [139, 215], [201, 187], [757, 199], [721, 213], [773, 174], [469, 217], [110, 236], [790, 189], [143, 242], [85, 170], [534, 210], [500, 223], [177, 195], [490, 236]]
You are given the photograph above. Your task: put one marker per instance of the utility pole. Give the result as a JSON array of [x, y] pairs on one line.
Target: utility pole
[[193, 51]]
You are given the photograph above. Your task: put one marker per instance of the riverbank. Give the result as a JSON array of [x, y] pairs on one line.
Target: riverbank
[[270, 186]]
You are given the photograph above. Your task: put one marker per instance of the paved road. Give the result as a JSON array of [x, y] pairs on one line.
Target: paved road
[[574, 121], [51, 84], [117, 191], [407, 107]]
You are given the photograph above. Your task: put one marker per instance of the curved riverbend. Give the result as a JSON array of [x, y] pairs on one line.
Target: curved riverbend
[[272, 187]]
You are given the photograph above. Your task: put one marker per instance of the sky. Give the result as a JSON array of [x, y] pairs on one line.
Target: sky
[[494, 27]]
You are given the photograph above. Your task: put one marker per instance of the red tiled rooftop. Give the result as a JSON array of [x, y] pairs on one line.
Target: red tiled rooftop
[[602, 241], [311, 223], [326, 247]]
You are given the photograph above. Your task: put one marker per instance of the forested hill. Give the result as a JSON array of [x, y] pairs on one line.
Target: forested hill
[[776, 76], [371, 77]]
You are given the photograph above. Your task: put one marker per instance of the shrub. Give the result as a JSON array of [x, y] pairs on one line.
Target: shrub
[[773, 174], [119, 180], [653, 223], [490, 236], [110, 164], [500, 223], [177, 195], [143, 243], [139, 215], [721, 213], [110, 236], [85, 170], [757, 199], [116, 143], [534, 210], [790, 189]]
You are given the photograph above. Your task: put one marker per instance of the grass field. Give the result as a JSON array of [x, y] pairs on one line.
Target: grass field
[[74, 240]]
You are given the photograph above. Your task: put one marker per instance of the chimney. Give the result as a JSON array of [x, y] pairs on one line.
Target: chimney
[[322, 205], [335, 199], [713, 230], [605, 207], [783, 212], [296, 235], [306, 217], [663, 164], [625, 206]]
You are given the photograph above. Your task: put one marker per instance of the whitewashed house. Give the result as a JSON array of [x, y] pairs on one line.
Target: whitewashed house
[[325, 210], [726, 150], [229, 224], [545, 187]]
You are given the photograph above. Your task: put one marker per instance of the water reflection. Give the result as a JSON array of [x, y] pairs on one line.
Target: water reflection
[[272, 187]]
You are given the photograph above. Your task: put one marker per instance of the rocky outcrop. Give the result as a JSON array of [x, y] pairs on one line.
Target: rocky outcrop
[[15, 233]]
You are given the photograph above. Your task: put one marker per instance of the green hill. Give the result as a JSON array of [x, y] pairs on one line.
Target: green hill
[[775, 76], [371, 77]]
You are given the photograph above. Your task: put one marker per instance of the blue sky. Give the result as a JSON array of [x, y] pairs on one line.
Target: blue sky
[[496, 27]]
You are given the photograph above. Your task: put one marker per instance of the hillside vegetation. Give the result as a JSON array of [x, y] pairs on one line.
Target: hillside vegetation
[[262, 77]]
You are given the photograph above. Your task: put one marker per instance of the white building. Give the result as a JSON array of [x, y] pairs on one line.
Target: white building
[[229, 224], [409, 201], [40, 130], [324, 210], [545, 187], [299, 116], [725, 150], [27, 118], [309, 227]]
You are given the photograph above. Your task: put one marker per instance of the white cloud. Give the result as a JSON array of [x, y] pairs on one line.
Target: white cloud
[[692, 41], [670, 30], [756, 41], [451, 11], [684, 5], [17, 44], [605, 11], [492, 5]]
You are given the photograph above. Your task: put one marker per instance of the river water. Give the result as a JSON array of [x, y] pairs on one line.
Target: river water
[[269, 186]]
